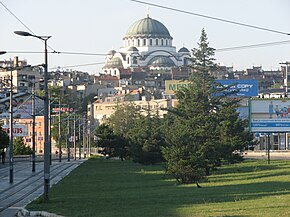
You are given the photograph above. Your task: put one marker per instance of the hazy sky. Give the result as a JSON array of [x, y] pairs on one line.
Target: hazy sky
[[94, 26]]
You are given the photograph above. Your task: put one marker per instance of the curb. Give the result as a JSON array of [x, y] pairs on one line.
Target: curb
[[24, 212]]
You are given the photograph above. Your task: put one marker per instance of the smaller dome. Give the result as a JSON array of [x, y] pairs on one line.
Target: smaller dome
[[161, 61], [183, 50], [133, 49], [111, 52], [115, 62]]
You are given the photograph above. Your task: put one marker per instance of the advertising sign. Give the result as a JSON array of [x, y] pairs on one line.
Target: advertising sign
[[18, 130], [22, 107], [271, 115], [242, 88], [171, 86]]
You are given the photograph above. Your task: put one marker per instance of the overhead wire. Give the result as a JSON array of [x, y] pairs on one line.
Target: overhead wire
[[211, 17], [163, 7], [22, 23], [80, 65], [253, 46]]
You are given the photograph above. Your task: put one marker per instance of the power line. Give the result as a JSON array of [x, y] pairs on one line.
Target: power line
[[60, 52], [80, 65], [21, 22], [253, 46], [210, 17]]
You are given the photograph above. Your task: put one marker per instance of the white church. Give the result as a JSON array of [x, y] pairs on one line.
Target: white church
[[147, 44]]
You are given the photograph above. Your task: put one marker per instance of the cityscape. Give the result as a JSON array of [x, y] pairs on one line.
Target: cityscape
[[61, 114]]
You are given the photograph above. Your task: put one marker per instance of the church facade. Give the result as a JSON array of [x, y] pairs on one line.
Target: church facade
[[147, 45]]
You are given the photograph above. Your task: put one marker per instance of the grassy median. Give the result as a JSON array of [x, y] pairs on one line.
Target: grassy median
[[111, 188]]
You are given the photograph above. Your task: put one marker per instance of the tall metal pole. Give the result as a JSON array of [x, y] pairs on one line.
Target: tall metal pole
[[75, 147], [46, 118], [59, 133], [79, 140], [84, 137], [68, 142], [46, 128], [33, 126], [269, 147], [49, 128], [11, 131]]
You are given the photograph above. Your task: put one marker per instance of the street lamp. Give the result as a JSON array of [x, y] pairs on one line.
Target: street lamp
[[10, 79], [46, 117]]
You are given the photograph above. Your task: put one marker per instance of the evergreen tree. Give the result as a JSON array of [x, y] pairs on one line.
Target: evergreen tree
[[110, 144], [146, 140], [205, 125]]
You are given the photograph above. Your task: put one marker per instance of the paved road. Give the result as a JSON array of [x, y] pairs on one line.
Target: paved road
[[28, 185]]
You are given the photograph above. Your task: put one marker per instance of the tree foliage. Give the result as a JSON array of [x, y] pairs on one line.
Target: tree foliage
[[111, 144], [4, 138], [19, 147], [146, 140], [205, 127]]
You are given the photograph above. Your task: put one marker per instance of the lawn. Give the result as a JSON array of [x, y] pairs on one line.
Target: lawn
[[111, 188]]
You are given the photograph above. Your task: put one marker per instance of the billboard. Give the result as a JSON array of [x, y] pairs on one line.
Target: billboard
[[171, 86], [22, 107], [18, 130], [270, 115], [242, 88]]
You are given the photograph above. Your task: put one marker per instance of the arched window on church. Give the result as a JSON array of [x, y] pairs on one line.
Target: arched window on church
[[166, 42], [128, 60], [150, 41], [161, 42], [138, 43], [144, 42], [156, 41]]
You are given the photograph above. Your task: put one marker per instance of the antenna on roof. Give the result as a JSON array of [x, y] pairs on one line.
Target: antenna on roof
[[147, 12]]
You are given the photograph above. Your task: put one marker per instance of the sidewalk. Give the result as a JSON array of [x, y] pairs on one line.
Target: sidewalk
[[28, 185]]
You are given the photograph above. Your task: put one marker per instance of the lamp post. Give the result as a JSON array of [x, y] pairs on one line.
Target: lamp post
[[46, 117], [11, 131]]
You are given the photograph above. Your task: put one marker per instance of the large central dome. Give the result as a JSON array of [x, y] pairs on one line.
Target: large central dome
[[148, 27]]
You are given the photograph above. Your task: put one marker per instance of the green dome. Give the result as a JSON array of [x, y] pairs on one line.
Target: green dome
[[148, 27], [161, 61], [115, 62]]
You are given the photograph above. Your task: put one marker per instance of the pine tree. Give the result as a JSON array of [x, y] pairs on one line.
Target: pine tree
[[205, 127]]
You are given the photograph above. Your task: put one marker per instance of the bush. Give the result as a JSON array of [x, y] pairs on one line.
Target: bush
[[19, 148]]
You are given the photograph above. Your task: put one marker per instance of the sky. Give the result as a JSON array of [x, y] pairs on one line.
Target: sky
[[95, 27]]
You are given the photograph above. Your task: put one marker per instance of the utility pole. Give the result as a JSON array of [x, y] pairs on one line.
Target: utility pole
[[75, 147], [84, 137], [33, 126], [68, 142], [79, 139], [59, 132], [11, 130]]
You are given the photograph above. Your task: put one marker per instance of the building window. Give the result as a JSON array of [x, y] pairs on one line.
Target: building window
[[128, 60], [156, 41], [128, 43], [138, 43], [161, 42], [144, 42], [166, 42], [150, 42], [134, 60]]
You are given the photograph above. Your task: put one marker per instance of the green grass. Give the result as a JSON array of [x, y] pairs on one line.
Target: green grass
[[110, 188]]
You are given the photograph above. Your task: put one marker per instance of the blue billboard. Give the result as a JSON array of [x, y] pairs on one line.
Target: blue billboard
[[241, 88]]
